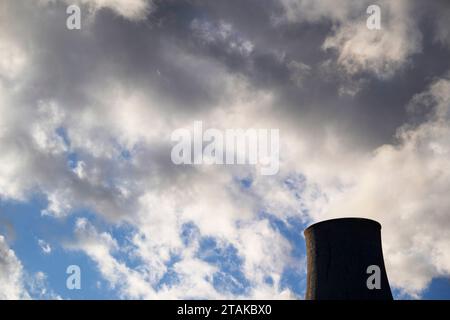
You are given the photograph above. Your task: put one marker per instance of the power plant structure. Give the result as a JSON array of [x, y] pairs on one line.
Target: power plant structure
[[345, 261]]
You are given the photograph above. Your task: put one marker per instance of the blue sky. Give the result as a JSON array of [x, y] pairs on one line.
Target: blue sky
[[30, 226]]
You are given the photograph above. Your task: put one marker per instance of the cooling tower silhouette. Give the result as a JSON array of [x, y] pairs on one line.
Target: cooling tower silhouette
[[339, 252]]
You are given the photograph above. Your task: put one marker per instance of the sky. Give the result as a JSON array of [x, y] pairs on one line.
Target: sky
[[87, 115]]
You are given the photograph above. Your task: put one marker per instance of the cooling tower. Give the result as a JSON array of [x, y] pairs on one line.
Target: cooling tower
[[341, 255]]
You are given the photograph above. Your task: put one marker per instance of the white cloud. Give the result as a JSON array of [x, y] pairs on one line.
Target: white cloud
[[45, 247], [129, 9], [12, 59], [16, 283], [38, 287], [405, 187], [11, 274], [381, 52]]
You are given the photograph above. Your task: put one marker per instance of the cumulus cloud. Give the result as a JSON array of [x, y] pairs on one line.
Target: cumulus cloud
[[404, 186], [129, 9], [11, 274], [16, 283], [359, 49], [87, 118]]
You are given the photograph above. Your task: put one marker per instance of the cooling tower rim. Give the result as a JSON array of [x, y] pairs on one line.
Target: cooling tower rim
[[345, 219]]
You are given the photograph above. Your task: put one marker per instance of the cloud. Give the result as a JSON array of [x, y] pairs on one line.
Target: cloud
[[87, 118], [359, 49], [16, 283], [442, 13], [11, 274], [45, 247], [192, 275], [130, 9], [404, 186], [38, 287]]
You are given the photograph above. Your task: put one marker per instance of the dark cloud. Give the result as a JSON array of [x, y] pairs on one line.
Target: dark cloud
[[142, 54]]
